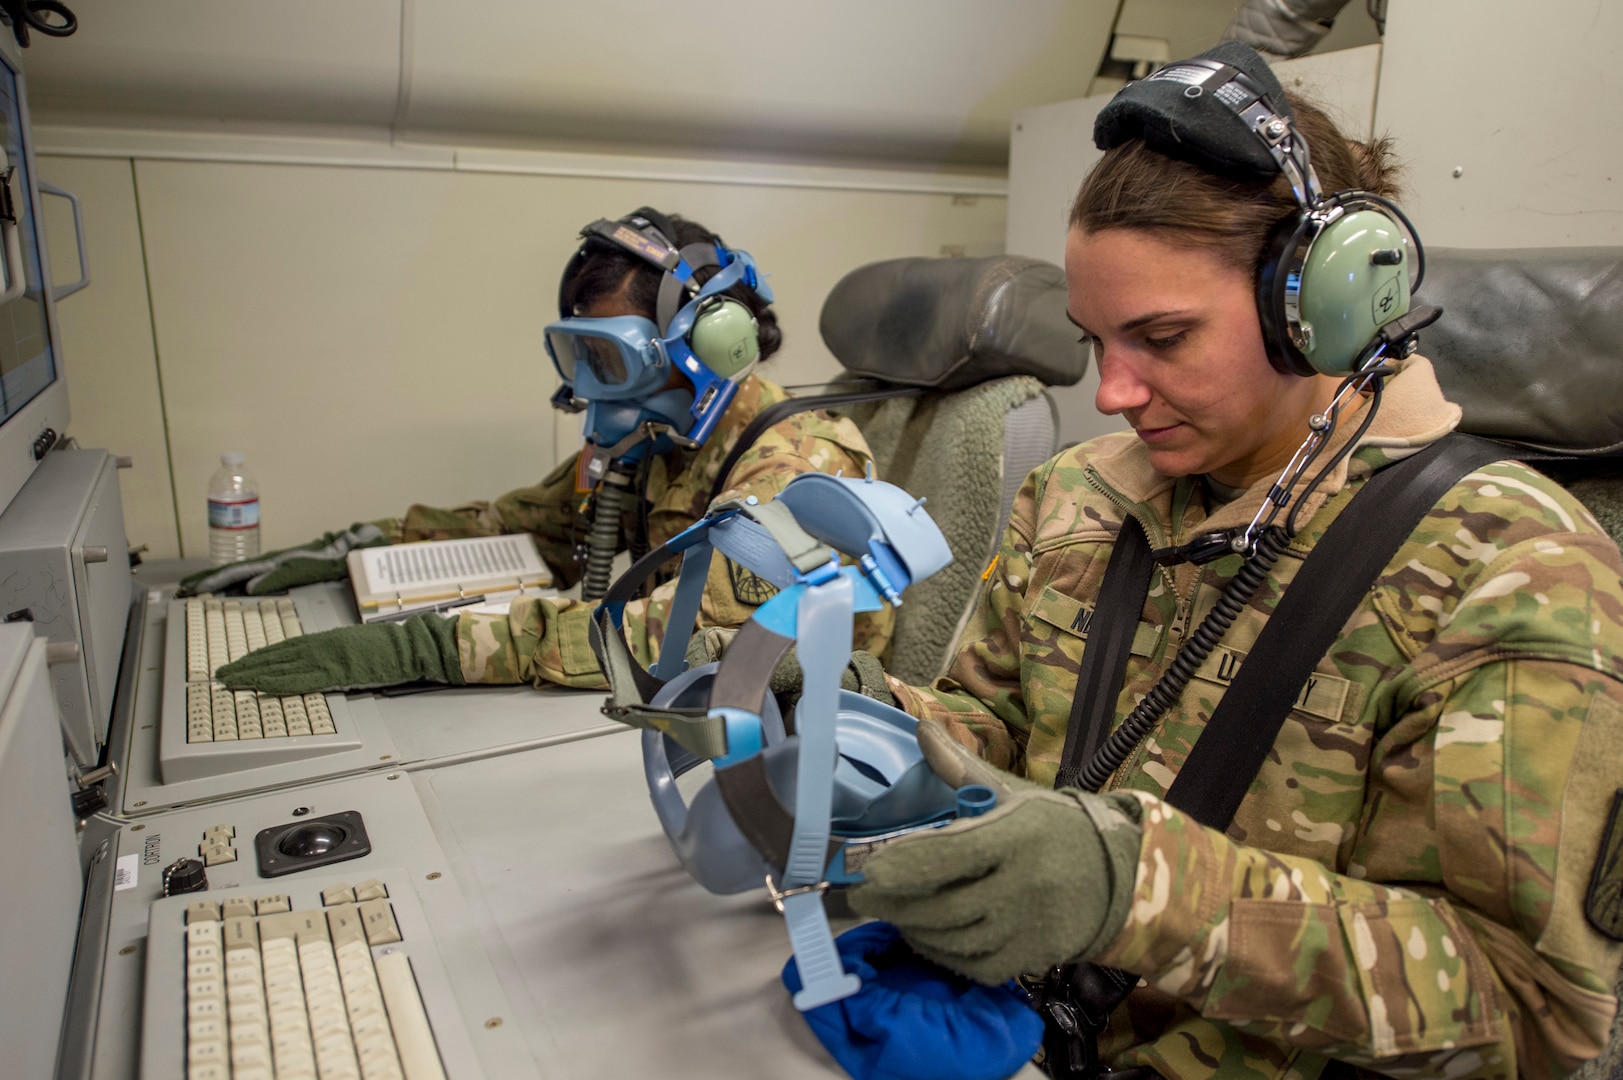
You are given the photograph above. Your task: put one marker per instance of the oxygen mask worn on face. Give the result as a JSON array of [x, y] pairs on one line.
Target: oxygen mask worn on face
[[619, 369]]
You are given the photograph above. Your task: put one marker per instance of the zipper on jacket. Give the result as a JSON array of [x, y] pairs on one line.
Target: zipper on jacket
[[1130, 509]]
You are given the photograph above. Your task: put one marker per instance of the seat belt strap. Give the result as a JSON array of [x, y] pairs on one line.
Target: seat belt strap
[[1116, 617], [1339, 572]]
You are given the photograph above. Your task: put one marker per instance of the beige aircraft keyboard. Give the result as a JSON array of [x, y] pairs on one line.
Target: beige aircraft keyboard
[[325, 993], [220, 631], [211, 731]]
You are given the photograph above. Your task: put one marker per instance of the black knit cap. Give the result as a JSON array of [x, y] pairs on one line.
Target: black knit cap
[[1167, 112]]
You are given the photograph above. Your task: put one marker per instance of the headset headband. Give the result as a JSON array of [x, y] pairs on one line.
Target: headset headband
[[645, 234], [1240, 93]]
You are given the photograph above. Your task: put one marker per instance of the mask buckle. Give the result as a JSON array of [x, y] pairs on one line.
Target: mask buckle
[[778, 896]]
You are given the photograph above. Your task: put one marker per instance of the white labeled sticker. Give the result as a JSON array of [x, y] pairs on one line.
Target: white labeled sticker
[[125, 872]]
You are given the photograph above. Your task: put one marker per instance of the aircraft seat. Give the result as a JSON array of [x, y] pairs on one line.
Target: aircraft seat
[[983, 338]]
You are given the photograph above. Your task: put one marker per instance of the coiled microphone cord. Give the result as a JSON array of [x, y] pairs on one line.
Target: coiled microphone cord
[[1141, 721]]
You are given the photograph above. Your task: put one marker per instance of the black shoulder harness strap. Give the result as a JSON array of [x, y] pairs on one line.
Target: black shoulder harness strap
[[1325, 592], [1115, 618]]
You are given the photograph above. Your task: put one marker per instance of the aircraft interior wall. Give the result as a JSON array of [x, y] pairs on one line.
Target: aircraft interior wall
[[361, 315], [371, 337]]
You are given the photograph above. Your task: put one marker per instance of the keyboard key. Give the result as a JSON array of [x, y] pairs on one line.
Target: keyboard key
[[378, 918], [337, 894], [289, 617], [345, 924], [236, 635], [205, 1009], [204, 1030], [199, 911], [218, 853], [371, 889], [205, 973], [270, 905], [241, 932], [234, 906], [254, 624], [276, 928], [249, 1055], [419, 1059], [205, 1052]]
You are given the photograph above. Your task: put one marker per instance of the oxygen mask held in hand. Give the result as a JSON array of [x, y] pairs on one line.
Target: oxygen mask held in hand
[[788, 809]]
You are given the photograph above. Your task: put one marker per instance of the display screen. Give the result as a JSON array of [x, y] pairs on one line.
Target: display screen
[[27, 365]]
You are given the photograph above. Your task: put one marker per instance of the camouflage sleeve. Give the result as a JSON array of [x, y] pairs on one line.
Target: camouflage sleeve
[[1494, 780], [547, 640], [550, 511], [980, 699]]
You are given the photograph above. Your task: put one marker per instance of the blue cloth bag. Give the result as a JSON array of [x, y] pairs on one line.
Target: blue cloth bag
[[915, 1020]]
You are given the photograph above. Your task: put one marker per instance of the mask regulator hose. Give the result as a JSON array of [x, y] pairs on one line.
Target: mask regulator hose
[[603, 541]]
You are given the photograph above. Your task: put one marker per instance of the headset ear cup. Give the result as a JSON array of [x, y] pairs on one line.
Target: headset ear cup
[[725, 336], [1271, 284]]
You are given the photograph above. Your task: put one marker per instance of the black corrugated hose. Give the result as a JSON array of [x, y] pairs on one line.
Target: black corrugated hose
[[603, 542], [1141, 721]]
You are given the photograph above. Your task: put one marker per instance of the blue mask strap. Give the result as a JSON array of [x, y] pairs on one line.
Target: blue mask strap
[[684, 612], [823, 626]]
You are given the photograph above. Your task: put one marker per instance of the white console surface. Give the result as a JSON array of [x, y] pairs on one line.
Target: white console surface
[[554, 929]]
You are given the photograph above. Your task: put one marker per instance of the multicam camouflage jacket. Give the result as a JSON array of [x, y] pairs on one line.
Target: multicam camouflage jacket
[[545, 640], [1403, 888]]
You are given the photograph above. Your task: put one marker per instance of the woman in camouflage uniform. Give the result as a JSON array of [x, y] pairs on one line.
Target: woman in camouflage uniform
[[545, 640], [1412, 884]]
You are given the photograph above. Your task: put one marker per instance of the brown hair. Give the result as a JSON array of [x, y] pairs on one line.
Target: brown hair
[[1134, 187]]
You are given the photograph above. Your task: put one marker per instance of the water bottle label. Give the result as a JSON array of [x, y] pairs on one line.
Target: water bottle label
[[234, 514]]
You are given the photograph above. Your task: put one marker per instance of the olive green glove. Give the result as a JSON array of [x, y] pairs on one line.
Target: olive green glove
[[423, 648], [1043, 878], [322, 559]]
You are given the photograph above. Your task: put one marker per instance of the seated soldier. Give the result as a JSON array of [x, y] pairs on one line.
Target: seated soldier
[[660, 328], [1416, 872]]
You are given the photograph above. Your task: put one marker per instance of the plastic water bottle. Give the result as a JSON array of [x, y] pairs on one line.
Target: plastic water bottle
[[233, 512]]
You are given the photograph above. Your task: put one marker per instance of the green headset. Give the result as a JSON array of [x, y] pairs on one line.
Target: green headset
[[1333, 272]]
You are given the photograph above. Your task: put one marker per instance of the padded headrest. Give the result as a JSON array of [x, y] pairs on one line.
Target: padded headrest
[[952, 323], [1530, 344]]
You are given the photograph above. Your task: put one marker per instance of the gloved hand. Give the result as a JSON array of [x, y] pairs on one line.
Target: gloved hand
[[1043, 878], [422, 648], [322, 559]]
